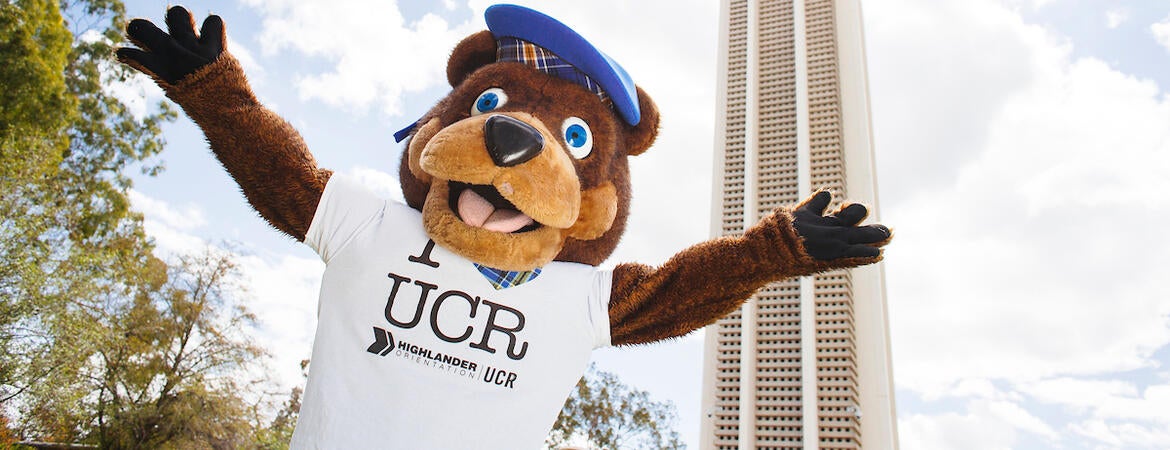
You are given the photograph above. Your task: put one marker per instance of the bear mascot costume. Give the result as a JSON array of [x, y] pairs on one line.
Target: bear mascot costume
[[464, 318]]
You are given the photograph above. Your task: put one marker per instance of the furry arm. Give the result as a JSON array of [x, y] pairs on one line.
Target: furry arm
[[709, 280], [261, 151]]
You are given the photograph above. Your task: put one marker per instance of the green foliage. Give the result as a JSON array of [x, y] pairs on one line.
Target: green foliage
[[166, 367], [68, 239], [167, 371], [6, 437], [104, 343], [278, 433], [34, 109], [611, 415], [34, 105]]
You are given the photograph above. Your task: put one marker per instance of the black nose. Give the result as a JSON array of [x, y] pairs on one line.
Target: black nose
[[510, 141]]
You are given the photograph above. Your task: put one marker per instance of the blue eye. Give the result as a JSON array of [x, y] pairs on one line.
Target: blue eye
[[490, 99], [578, 137], [487, 102]]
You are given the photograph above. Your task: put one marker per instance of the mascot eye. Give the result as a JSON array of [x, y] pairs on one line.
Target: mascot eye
[[578, 137], [490, 99]]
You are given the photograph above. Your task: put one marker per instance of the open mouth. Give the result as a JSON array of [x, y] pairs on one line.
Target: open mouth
[[482, 206]]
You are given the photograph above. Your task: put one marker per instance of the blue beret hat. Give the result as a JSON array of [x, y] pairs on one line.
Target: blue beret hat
[[548, 45], [511, 21]]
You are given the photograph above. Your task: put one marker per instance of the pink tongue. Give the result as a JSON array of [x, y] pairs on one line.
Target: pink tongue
[[478, 212], [474, 209], [507, 221]]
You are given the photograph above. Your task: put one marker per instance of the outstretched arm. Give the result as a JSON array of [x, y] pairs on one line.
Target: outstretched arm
[[709, 280], [261, 151]]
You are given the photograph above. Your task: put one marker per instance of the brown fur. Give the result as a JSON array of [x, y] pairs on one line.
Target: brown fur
[[555, 189], [261, 151], [541, 96], [637, 140], [546, 187], [709, 280], [471, 53], [498, 250], [598, 210]]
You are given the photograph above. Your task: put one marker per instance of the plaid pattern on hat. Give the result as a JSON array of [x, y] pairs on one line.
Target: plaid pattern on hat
[[503, 279], [539, 58]]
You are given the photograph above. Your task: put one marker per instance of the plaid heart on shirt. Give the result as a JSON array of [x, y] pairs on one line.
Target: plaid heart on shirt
[[503, 279]]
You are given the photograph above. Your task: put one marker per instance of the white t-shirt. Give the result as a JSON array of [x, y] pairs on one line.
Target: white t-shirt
[[467, 367]]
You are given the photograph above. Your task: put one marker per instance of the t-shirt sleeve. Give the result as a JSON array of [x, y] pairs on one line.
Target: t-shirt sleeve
[[599, 307], [345, 209]]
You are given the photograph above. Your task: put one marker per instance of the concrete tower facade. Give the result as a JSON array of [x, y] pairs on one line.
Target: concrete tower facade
[[804, 364]]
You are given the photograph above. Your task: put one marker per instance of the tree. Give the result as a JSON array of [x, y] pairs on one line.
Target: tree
[[279, 432], [172, 367], [34, 109], [611, 415], [164, 370], [68, 239], [103, 342], [67, 236], [34, 106]]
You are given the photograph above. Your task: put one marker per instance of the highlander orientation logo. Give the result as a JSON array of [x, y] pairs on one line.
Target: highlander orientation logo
[[385, 345]]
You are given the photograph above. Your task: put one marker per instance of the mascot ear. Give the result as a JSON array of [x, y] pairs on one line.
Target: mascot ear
[[640, 137], [473, 52]]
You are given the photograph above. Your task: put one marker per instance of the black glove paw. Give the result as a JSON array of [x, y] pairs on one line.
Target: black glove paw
[[837, 235], [173, 56]]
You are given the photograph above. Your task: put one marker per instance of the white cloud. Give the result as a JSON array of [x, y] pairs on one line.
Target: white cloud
[[1021, 418], [1017, 253], [933, 98], [1106, 400], [138, 93], [1079, 394], [1151, 406], [244, 55], [1032, 4], [1122, 435], [283, 292], [171, 227], [1040, 284], [985, 425], [977, 388], [1116, 16], [991, 418], [1161, 31], [375, 56], [183, 218], [1028, 188]]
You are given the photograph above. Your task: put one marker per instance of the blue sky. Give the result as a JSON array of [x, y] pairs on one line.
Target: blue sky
[[1023, 152]]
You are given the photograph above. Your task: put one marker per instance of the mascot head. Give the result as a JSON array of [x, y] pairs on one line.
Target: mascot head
[[524, 161]]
